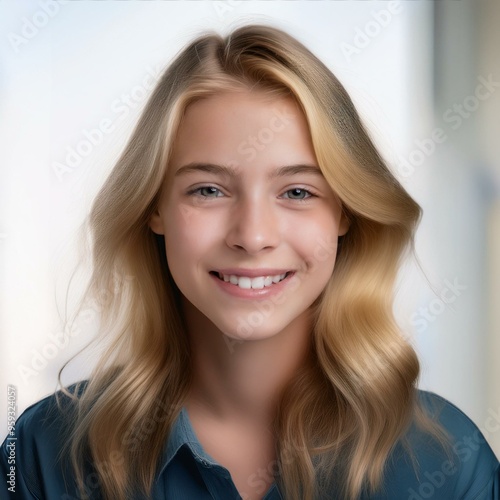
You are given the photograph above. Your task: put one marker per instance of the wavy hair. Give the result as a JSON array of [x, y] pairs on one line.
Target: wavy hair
[[341, 416]]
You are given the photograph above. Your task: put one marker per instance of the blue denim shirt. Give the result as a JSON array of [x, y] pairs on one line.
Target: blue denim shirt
[[185, 460], [187, 472]]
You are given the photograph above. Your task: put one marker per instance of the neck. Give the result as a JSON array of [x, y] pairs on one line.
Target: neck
[[243, 380]]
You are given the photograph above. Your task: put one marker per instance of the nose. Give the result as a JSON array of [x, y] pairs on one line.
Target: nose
[[253, 226]]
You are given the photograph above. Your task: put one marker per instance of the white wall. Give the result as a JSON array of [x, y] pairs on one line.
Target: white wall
[[489, 147], [72, 74]]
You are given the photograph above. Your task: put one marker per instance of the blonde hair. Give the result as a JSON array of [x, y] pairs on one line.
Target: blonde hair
[[341, 416]]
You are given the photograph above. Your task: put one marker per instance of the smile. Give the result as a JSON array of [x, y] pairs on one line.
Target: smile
[[256, 283]]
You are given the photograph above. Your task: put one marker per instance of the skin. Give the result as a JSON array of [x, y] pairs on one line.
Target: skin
[[247, 221]]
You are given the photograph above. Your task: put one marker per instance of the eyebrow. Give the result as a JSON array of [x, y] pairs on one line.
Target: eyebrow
[[231, 172]]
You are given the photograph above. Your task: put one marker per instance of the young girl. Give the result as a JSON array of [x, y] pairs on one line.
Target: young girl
[[251, 348]]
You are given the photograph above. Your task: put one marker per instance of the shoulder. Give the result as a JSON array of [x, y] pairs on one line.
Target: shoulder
[[465, 469], [39, 438], [449, 415], [468, 441], [44, 418]]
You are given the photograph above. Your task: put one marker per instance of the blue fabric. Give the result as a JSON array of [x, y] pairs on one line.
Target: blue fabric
[[187, 472]]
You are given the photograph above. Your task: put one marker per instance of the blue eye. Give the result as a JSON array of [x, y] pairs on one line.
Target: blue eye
[[207, 192], [298, 194]]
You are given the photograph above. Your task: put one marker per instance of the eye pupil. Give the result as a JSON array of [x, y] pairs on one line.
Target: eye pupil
[[297, 193], [209, 190]]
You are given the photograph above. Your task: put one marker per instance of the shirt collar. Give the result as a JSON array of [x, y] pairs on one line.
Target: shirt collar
[[182, 433]]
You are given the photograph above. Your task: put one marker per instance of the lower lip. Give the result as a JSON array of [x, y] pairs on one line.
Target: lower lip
[[252, 293]]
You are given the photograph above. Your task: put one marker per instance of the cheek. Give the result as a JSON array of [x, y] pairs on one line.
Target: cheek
[[189, 235], [317, 243]]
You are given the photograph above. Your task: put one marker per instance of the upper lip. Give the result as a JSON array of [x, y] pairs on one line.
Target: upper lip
[[252, 273]]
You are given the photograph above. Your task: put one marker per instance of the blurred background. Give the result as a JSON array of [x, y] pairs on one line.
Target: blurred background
[[425, 77]]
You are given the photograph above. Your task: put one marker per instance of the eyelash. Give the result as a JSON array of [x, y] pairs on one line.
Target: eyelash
[[195, 192], [310, 194]]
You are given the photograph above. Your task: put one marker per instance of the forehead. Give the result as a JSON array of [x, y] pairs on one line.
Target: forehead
[[241, 128]]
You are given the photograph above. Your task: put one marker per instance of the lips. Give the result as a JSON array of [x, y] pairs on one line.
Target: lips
[[253, 282]]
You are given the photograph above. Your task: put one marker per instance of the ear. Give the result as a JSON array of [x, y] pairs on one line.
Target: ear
[[344, 224], [156, 223]]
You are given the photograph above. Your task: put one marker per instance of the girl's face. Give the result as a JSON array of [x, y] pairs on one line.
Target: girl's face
[[250, 223]]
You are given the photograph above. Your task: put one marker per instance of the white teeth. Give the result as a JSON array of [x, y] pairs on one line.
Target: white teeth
[[256, 283], [243, 282]]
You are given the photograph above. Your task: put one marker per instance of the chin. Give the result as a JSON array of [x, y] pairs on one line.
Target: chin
[[242, 331]]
